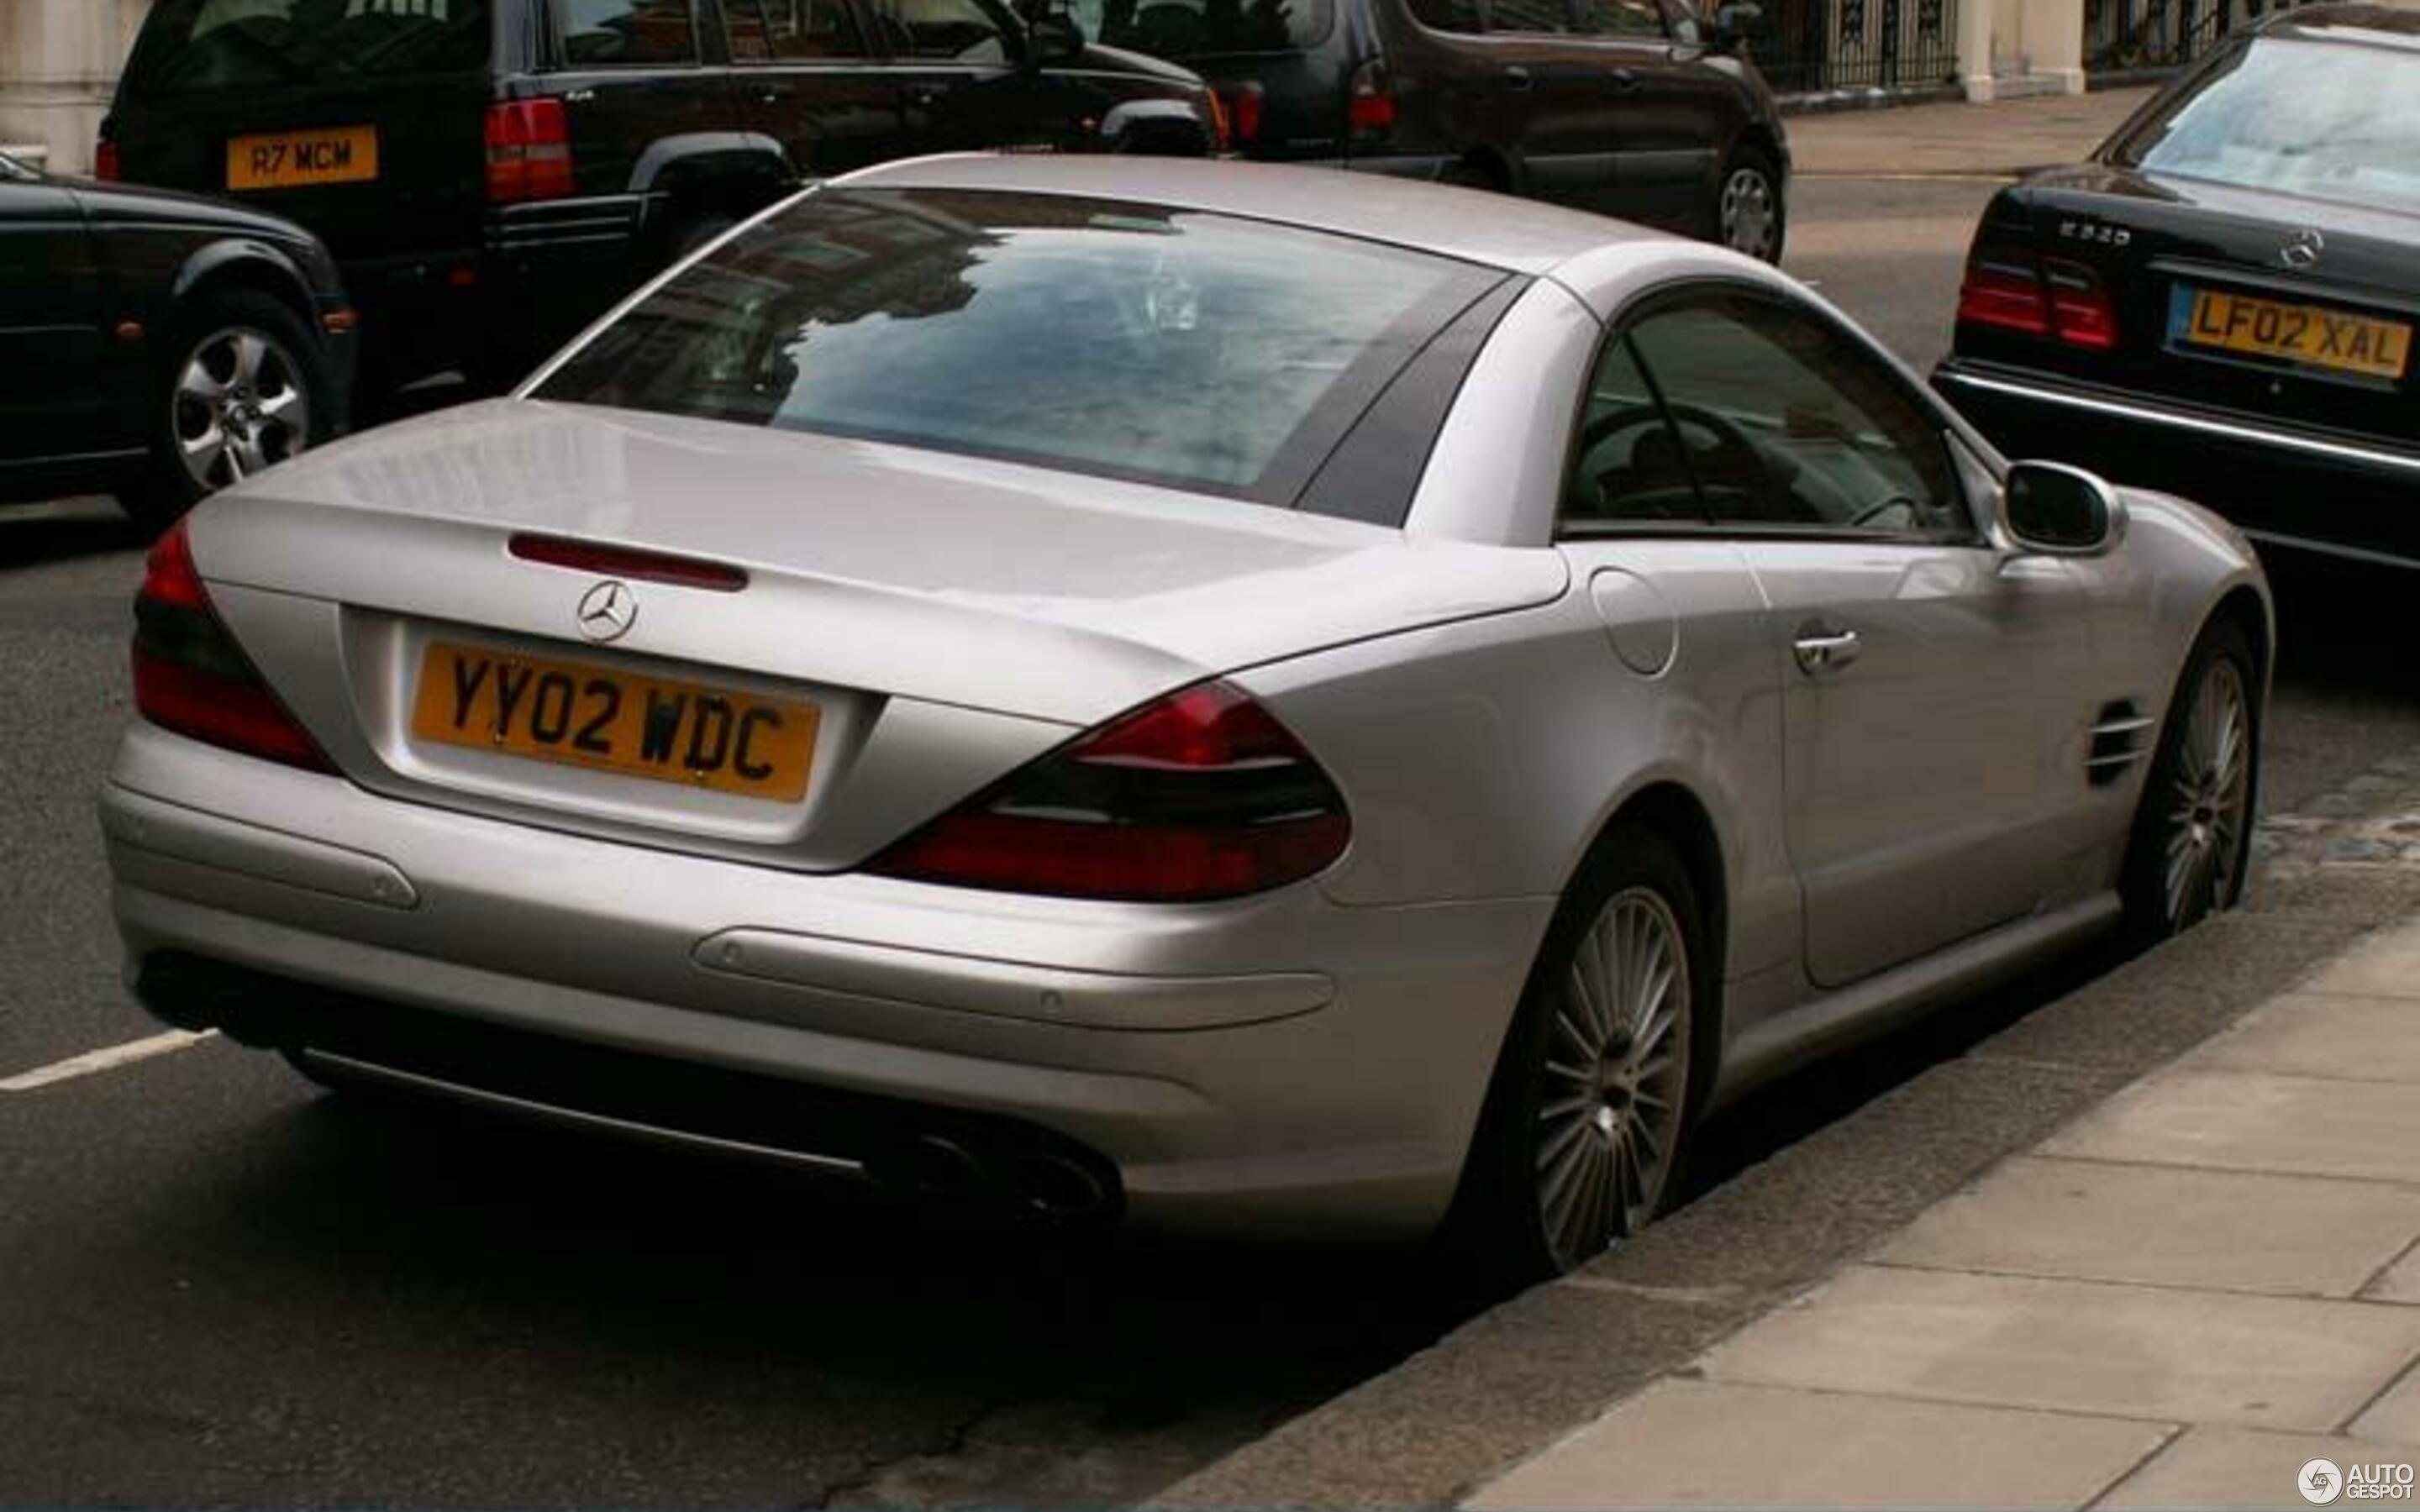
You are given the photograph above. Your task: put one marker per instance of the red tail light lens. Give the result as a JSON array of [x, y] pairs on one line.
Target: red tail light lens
[[1370, 110], [2080, 307], [529, 151], [2006, 295], [2058, 298], [622, 561], [190, 677], [108, 166], [1200, 795], [1243, 104]]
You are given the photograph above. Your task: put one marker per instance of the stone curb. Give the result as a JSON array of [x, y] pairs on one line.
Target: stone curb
[[1515, 1379]]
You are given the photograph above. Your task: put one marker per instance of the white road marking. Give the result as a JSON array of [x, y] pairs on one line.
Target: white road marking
[[94, 1061]]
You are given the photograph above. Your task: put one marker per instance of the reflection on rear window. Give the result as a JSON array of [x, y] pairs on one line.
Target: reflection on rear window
[[1183, 29], [1215, 354], [191, 46], [2332, 121]]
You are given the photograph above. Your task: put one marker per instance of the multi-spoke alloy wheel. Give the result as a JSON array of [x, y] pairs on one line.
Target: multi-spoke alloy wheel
[[1748, 215], [1617, 1072], [240, 404], [2209, 789], [2192, 828]]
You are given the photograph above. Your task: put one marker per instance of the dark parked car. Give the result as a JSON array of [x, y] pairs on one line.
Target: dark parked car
[[493, 173], [2222, 302], [157, 345], [1638, 108]]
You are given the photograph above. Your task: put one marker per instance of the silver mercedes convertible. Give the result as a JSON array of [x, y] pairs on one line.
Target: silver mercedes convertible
[[1242, 698]]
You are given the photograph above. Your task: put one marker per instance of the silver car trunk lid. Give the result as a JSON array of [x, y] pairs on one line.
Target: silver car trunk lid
[[948, 618]]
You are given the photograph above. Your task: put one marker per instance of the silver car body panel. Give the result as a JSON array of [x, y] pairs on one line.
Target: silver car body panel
[[1488, 699]]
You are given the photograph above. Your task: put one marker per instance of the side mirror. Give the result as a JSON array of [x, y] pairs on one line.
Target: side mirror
[[1733, 21], [1053, 37], [2057, 510]]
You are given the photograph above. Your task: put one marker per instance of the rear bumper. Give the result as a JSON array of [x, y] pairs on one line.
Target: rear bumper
[[538, 273], [2283, 487], [1276, 1064]]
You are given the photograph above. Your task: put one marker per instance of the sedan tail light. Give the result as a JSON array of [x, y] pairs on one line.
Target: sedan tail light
[[190, 677], [108, 165], [2013, 292], [529, 151], [1201, 795]]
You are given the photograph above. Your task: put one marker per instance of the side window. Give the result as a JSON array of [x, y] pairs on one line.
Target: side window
[[960, 31], [761, 31], [1627, 467], [1629, 20], [1450, 16], [1783, 424], [1537, 16], [626, 31]]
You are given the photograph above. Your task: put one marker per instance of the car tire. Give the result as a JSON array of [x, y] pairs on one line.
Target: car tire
[[1750, 211], [242, 366], [1466, 174], [1571, 1159], [2192, 838]]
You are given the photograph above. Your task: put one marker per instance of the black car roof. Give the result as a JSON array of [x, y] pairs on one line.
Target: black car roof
[[2395, 24]]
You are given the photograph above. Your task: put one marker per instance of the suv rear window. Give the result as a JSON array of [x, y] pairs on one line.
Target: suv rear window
[[1181, 29], [1219, 355], [197, 46]]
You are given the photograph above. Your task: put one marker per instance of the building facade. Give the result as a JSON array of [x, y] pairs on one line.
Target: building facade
[[58, 61]]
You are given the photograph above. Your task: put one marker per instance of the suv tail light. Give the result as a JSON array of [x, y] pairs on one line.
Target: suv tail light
[[529, 151], [1201, 795], [108, 166], [1370, 109], [190, 677], [1243, 102], [2013, 292]]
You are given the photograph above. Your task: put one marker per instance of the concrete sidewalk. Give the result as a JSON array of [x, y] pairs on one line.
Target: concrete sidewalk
[[2176, 1300], [1999, 140]]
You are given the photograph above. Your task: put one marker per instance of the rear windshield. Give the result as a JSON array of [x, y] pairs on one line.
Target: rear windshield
[[1203, 28], [1214, 354], [197, 46], [2330, 120]]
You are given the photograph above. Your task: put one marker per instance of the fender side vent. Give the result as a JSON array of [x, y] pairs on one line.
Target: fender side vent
[[2121, 735]]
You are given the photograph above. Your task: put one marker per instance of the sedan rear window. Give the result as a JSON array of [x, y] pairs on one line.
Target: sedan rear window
[[1205, 352], [199, 46], [2330, 120]]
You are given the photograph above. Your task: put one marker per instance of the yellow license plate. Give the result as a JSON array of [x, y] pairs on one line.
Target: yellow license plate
[[612, 720], [303, 158], [2304, 333]]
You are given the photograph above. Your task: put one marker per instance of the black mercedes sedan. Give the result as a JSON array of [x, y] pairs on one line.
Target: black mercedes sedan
[[2222, 302], [159, 346]]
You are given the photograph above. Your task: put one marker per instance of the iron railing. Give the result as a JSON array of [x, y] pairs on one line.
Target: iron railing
[[2127, 37], [1817, 46]]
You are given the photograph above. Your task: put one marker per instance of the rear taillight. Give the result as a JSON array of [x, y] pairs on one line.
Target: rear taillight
[[1222, 134], [1201, 795], [1370, 108], [2011, 292], [190, 677], [2080, 308], [1243, 102], [529, 151], [107, 165]]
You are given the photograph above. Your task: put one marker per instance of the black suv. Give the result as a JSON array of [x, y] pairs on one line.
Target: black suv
[[1638, 108], [491, 174]]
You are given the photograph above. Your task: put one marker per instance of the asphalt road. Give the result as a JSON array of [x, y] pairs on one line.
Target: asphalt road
[[216, 1287]]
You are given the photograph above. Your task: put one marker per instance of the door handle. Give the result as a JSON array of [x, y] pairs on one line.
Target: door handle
[[1821, 650], [1516, 78], [1624, 80], [921, 95]]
